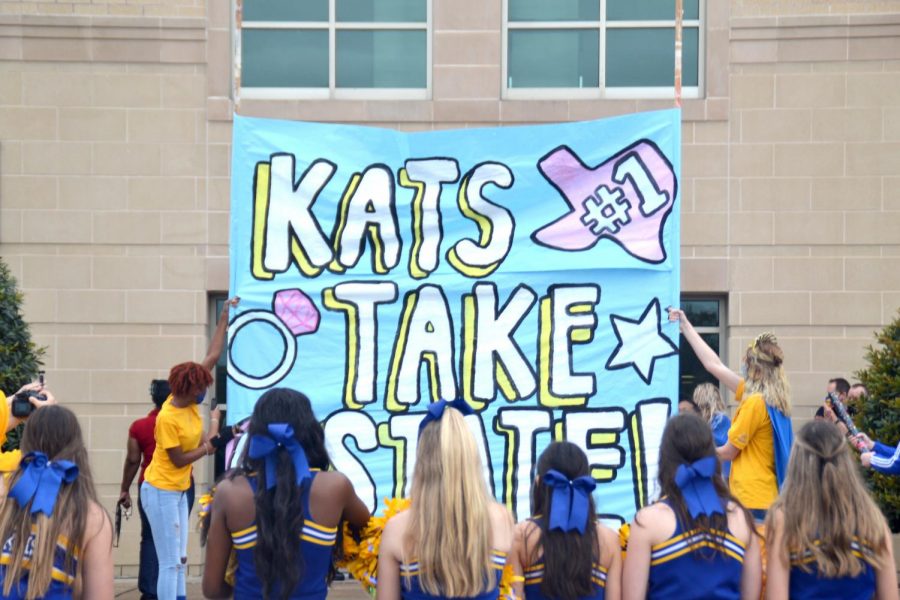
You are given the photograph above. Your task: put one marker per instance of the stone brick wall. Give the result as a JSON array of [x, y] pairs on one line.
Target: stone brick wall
[[117, 8], [104, 213], [757, 8]]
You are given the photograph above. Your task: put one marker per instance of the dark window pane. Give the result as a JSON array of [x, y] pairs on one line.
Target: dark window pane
[[646, 57], [284, 58], [554, 58], [284, 10], [701, 313], [381, 59], [692, 372], [649, 10], [554, 10], [381, 11]]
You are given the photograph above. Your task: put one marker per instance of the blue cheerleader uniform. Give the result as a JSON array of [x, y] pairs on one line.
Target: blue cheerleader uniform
[[410, 589], [316, 545], [62, 579], [534, 575], [809, 585], [675, 572]]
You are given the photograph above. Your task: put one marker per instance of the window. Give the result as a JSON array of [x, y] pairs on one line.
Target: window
[[219, 390], [335, 48], [705, 314], [599, 48]]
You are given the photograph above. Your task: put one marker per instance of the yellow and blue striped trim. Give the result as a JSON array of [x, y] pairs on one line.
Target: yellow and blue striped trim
[[498, 560], [692, 540], [58, 574], [312, 532], [535, 575], [61, 546], [860, 551]]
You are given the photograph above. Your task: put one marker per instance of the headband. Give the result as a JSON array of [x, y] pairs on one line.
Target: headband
[[40, 482], [570, 501], [281, 435], [436, 411], [697, 489]]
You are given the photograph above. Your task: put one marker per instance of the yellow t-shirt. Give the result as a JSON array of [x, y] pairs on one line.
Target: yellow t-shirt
[[175, 428], [753, 479], [9, 461]]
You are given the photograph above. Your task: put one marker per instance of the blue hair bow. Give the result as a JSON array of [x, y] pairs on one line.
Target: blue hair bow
[[570, 502], [696, 484], [281, 435], [436, 411], [40, 482]]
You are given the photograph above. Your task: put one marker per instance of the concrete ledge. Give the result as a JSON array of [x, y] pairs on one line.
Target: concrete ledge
[[815, 38], [103, 39]]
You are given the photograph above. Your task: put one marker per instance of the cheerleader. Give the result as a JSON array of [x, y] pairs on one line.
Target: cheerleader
[[759, 439], [826, 537], [58, 539], [711, 409], [453, 540], [563, 551], [281, 511], [697, 541]]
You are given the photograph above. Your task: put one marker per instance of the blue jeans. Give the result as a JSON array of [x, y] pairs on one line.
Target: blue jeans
[[168, 515], [148, 571]]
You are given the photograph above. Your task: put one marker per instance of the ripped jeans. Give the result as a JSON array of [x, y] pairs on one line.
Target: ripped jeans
[[167, 512]]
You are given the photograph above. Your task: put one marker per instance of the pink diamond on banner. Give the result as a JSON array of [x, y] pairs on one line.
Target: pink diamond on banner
[[297, 311]]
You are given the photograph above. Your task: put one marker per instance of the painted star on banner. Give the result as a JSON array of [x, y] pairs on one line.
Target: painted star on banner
[[641, 342]]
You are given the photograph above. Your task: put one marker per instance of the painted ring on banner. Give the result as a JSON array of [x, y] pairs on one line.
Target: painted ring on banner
[[287, 361]]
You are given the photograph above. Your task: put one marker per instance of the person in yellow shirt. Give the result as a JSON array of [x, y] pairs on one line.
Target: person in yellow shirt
[[179, 443], [760, 437]]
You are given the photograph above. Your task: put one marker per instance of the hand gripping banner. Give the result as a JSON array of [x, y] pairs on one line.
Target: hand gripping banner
[[525, 270]]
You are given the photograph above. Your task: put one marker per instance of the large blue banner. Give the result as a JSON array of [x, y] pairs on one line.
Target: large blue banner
[[524, 269]]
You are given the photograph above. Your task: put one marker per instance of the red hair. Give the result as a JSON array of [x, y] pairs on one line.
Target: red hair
[[187, 376]]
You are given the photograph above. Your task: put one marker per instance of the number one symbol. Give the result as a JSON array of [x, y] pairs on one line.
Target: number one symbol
[[651, 199]]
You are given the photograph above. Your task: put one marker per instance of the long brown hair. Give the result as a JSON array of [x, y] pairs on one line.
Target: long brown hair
[[450, 512], [687, 439], [53, 430], [826, 505], [568, 557]]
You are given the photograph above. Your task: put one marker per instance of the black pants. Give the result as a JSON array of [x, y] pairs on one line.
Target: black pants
[[148, 570]]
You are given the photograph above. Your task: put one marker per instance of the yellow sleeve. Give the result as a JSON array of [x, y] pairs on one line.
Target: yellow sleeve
[[750, 417], [167, 432], [9, 461], [4, 418]]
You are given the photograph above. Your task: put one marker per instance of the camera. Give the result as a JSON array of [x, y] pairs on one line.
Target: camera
[[22, 406]]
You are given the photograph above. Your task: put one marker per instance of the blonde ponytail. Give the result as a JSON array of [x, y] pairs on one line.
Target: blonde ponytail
[[449, 532]]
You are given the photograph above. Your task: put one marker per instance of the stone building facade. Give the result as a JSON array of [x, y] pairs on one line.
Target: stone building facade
[[115, 122]]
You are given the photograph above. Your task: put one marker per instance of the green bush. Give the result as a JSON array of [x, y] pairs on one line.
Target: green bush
[[879, 413], [20, 358]]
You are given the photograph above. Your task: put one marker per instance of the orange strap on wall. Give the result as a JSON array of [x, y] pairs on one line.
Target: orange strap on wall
[[679, 16]]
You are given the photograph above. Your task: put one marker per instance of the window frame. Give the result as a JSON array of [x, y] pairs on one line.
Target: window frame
[[601, 91], [332, 92], [721, 329]]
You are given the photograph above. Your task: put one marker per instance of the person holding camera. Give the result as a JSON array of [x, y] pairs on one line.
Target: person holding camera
[[17, 409]]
